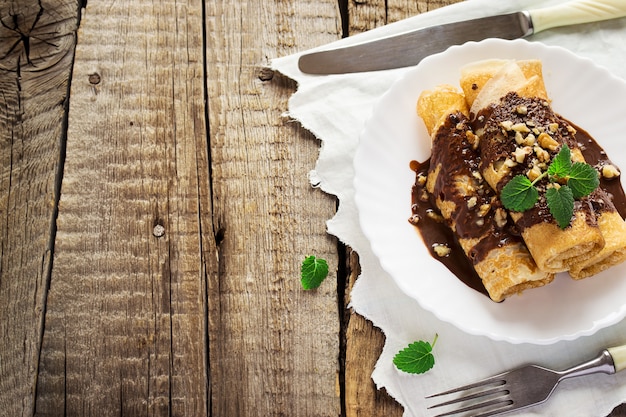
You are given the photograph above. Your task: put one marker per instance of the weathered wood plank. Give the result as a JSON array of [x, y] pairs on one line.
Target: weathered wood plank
[[273, 346], [37, 41], [126, 320]]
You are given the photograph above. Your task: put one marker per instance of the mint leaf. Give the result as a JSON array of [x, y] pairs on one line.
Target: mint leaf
[[583, 179], [519, 194], [579, 180], [416, 358], [561, 204], [561, 164], [313, 272]]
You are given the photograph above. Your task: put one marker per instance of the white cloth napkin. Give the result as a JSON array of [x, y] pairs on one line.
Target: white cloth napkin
[[335, 109]]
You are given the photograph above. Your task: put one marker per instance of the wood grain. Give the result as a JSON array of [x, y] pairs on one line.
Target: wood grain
[[208, 318], [36, 50], [274, 347], [126, 316]]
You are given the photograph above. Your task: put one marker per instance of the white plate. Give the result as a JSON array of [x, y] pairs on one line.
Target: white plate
[[585, 94]]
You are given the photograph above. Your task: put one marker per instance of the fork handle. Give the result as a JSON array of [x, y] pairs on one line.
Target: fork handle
[[603, 363], [618, 354], [609, 361]]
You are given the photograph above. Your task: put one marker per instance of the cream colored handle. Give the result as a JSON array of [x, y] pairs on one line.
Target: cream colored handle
[[618, 354], [575, 12]]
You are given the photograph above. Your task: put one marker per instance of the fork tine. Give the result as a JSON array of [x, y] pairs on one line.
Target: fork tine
[[481, 394], [496, 380], [505, 404], [487, 393]]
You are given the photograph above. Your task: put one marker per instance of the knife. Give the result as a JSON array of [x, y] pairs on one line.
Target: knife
[[409, 48]]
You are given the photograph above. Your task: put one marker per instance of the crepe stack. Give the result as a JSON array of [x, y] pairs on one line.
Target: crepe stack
[[467, 203], [520, 133]]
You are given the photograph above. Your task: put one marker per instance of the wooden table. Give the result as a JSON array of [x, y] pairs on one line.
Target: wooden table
[[155, 210]]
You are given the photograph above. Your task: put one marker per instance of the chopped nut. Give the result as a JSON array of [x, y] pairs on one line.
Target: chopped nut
[[483, 210], [441, 249], [542, 154], [533, 173], [471, 202], [424, 196], [480, 222], [506, 125], [472, 138], [610, 171], [477, 175], [500, 217], [547, 142], [571, 130], [509, 163], [421, 179], [520, 153], [520, 127], [530, 139], [553, 127], [521, 110], [435, 216]]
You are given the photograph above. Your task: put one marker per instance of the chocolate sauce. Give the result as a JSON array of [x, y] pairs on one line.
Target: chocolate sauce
[[428, 221], [436, 231], [596, 156]]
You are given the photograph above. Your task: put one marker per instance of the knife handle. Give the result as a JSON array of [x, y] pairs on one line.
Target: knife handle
[[618, 354], [575, 12]]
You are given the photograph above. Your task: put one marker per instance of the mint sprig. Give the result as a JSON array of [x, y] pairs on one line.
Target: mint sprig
[[519, 194], [313, 272], [570, 181], [416, 358], [583, 179], [561, 204]]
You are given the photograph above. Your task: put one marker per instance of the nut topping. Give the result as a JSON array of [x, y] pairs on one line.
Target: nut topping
[[547, 142], [610, 171]]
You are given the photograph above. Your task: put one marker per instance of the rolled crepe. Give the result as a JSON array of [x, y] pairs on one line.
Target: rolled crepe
[[520, 134], [613, 230], [469, 206]]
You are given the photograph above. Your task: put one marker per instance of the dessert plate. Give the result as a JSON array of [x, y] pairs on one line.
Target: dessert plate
[[587, 95]]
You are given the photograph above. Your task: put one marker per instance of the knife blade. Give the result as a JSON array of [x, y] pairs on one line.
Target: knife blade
[[409, 48]]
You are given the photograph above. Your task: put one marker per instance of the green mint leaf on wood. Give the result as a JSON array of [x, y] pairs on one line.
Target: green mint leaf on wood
[[416, 358], [313, 271], [561, 204], [519, 194], [583, 179], [561, 164]]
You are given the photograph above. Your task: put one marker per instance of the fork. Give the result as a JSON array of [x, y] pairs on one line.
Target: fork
[[523, 387]]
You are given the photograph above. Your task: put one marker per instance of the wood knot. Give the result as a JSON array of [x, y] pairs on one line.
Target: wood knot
[[34, 38], [94, 78], [158, 230], [266, 74]]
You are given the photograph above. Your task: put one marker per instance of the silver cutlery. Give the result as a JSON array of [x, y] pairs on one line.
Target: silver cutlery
[[522, 387], [411, 47]]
